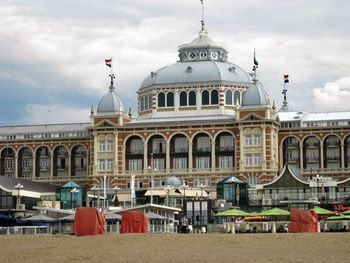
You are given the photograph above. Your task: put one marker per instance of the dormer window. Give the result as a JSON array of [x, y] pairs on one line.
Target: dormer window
[[232, 69], [203, 54], [153, 74], [192, 55], [189, 69]]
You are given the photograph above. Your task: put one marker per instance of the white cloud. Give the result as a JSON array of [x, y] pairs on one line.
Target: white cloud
[[333, 96], [37, 114]]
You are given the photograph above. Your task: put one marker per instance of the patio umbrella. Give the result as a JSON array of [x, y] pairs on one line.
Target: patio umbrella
[[274, 212], [323, 212], [39, 219], [233, 212]]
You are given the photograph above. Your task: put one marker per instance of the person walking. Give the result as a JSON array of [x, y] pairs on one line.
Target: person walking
[[184, 224]]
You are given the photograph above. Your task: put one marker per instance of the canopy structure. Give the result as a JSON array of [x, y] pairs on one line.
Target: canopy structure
[[233, 212], [153, 216], [255, 217], [113, 216], [274, 212], [67, 218], [339, 217], [39, 219], [323, 212], [347, 212]]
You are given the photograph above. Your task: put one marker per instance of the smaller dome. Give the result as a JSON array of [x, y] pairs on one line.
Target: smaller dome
[[173, 182], [255, 96], [110, 104]]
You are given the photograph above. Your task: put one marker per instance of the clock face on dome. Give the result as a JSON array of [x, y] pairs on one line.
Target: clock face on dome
[[214, 54], [203, 54], [192, 55]]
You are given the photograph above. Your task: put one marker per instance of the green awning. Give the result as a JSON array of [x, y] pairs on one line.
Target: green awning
[[233, 212], [274, 212], [323, 212], [339, 217]]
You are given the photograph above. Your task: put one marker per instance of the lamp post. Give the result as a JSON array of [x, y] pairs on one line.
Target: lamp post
[[200, 211], [185, 186], [73, 191], [167, 189], [152, 178], [18, 187], [318, 180], [116, 188], [94, 189]]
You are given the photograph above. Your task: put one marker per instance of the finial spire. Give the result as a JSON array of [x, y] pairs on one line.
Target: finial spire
[[255, 66], [284, 92], [202, 2], [109, 63]]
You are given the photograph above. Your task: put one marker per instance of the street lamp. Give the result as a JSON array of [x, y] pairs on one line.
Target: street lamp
[[167, 189], [185, 186], [200, 211], [152, 179], [116, 188], [94, 189], [18, 187], [73, 191], [318, 180]]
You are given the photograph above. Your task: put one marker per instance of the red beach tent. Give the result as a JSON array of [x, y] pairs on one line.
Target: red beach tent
[[134, 222], [88, 221]]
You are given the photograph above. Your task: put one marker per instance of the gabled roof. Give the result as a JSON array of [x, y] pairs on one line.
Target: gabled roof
[[232, 179]]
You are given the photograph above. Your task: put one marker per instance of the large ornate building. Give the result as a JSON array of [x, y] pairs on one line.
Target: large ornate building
[[201, 119]]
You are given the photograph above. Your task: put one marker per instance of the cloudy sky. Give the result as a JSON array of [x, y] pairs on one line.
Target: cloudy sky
[[52, 52]]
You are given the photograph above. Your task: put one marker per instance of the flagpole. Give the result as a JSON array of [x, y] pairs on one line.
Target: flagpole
[[202, 1]]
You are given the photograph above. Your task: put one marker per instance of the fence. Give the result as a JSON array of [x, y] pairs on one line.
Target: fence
[[26, 230]]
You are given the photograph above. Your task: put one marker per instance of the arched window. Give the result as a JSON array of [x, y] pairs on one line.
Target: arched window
[[237, 97], [228, 97], [150, 101], [161, 100], [192, 98], [170, 99], [183, 98], [205, 97], [142, 103], [146, 102], [214, 97]]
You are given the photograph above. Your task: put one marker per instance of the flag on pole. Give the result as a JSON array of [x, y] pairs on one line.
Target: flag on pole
[[201, 1], [286, 80], [109, 62], [255, 61]]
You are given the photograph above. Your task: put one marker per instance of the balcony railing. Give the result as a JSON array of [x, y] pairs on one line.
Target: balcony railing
[[333, 158], [312, 159], [312, 144], [202, 150]]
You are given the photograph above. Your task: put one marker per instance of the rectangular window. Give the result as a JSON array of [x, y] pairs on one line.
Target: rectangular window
[[202, 162], [257, 139], [248, 159], [181, 144], [158, 163], [257, 159], [110, 146], [225, 162], [180, 163], [101, 164], [102, 146], [109, 165], [248, 140], [135, 164], [203, 144]]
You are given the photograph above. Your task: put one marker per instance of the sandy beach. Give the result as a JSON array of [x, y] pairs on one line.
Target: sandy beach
[[311, 247]]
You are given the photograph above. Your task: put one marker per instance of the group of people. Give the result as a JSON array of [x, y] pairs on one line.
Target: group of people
[[185, 223]]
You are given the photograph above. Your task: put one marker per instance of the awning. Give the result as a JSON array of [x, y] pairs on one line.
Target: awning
[[190, 193]]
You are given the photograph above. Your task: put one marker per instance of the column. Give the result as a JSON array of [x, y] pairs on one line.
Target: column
[[263, 137], [145, 156], [190, 157], [342, 164], [198, 98], [281, 157], [167, 157], [176, 100], [16, 166], [87, 162], [116, 157], [34, 166], [321, 156], [241, 143], [212, 154], [95, 165], [69, 164], [51, 164], [301, 157]]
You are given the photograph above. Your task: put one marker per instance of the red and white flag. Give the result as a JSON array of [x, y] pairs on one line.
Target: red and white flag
[[109, 62]]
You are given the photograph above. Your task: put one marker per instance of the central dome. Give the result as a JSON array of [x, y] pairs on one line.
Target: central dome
[[111, 104]]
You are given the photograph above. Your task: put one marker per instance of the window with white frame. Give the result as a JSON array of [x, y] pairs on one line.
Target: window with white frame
[[135, 164], [181, 144], [225, 161], [257, 159], [44, 163], [102, 146], [158, 145], [136, 146], [158, 163], [253, 180], [248, 139], [101, 164], [202, 162], [203, 143], [257, 139], [109, 164], [180, 163], [109, 145], [226, 143], [248, 159]]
